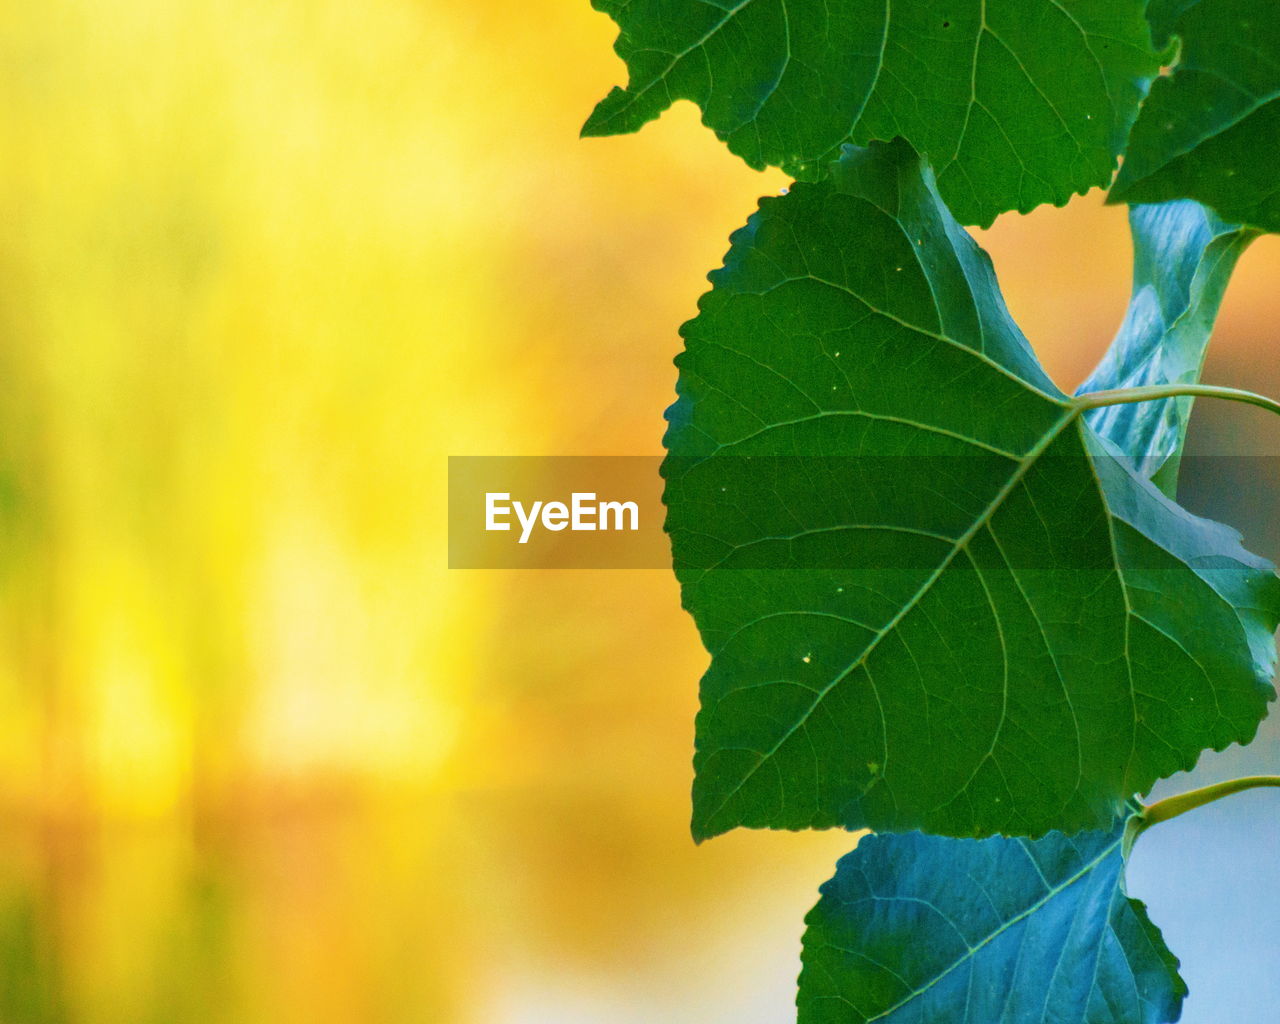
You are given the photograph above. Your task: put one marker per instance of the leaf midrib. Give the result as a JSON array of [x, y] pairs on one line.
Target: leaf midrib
[[961, 543], [1022, 916]]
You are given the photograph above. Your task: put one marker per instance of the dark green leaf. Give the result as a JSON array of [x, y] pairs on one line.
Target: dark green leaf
[[1183, 259], [917, 929], [1016, 102], [1164, 15], [1211, 131], [933, 597]]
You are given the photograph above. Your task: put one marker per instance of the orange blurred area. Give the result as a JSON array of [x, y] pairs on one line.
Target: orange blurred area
[[263, 757]]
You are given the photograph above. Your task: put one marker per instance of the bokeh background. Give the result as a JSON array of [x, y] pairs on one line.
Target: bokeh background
[[263, 757]]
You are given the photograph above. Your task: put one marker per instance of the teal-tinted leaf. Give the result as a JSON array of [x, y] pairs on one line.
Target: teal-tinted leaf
[[1211, 131], [1183, 259], [933, 597], [918, 929], [1016, 102]]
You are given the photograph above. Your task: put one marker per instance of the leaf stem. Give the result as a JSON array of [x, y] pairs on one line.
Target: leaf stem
[[1171, 807], [1155, 392]]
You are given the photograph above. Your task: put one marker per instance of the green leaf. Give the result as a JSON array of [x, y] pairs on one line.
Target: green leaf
[[1016, 102], [933, 597], [918, 929], [1211, 130], [1183, 259]]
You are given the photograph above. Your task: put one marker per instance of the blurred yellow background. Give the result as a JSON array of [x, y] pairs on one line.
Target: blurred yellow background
[[262, 756]]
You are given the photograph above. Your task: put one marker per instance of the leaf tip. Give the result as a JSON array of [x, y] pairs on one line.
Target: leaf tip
[[699, 830], [1118, 193], [704, 824]]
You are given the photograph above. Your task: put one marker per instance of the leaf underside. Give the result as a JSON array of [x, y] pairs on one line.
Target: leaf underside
[[1015, 102], [918, 929], [933, 596], [1183, 260], [1211, 130]]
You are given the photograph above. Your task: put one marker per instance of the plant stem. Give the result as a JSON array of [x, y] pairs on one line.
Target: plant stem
[[1164, 810], [1155, 392]]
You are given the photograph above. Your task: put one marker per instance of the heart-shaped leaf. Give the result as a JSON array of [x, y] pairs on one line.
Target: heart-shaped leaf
[[934, 598]]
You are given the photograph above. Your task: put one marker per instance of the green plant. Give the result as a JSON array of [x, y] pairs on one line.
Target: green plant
[[943, 600]]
